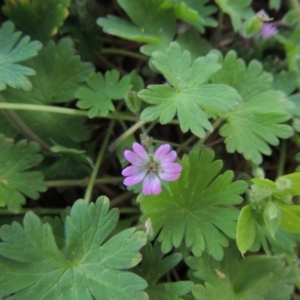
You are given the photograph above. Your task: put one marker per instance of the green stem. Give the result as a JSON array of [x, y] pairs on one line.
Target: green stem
[[124, 53], [220, 24], [24, 129], [120, 199], [82, 182], [58, 211], [282, 159], [129, 210], [60, 110], [37, 211], [216, 124], [92, 180], [128, 132]]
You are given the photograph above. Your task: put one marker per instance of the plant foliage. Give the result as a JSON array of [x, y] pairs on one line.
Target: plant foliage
[[86, 260]]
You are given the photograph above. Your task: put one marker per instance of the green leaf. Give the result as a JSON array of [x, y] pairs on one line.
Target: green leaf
[[12, 51], [16, 181], [295, 111], [252, 26], [39, 19], [290, 43], [272, 217], [60, 74], [256, 123], [282, 242], [87, 266], [251, 278], [289, 183], [190, 94], [198, 208], [102, 89], [196, 46], [66, 164], [153, 266], [291, 17], [274, 4], [194, 12], [151, 24], [286, 81], [245, 234], [290, 218], [238, 10], [247, 80]]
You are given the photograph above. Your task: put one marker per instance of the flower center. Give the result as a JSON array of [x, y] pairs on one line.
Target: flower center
[[152, 167]]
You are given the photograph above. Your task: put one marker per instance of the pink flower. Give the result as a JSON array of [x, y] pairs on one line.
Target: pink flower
[[151, 169], [268, 30]]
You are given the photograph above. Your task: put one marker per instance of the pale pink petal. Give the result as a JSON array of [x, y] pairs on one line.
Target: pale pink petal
[[169, 176], [134, 179], [268, 30], [135, 159], [140, 151], [170, 157], [161, 152], [170, 167], [131, 170], [151, 185]]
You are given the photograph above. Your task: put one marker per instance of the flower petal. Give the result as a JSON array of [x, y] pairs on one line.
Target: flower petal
[[170, 157], [140, 151], [170, 167], [161, 152], [134, 179], [169, 176], [131, 170], [135, 159], [151, 185]]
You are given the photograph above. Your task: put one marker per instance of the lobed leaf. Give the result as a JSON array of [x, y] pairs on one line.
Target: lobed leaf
[[14, 50], [60, 74], [189, 94], [88, 265], [34, 17], [154, 266], [151, 24], [257, 122], [100, 92], [193, 12], [254, 277], [16, 181], [238, 10], [198, 207]]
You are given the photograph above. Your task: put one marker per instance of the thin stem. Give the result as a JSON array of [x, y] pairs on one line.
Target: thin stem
[[120, 199], [186, 143], [129, 210], [216, 124], [24, 129], [220, 24], [57, 211], [92, 180], [61, 110], [282, 159], [128, 132], [37, 211], [124, 53], [82, 182]]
